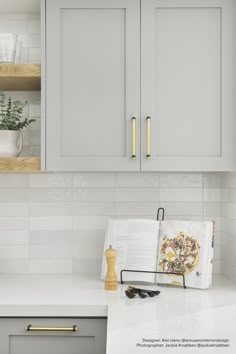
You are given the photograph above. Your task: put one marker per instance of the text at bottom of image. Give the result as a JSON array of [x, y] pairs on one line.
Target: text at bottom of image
[[183, 343]]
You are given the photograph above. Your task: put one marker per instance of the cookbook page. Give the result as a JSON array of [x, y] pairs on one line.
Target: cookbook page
[[184, 247], [135, 241]]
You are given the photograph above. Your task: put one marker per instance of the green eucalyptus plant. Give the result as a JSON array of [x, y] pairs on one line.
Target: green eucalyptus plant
[[11, 114]]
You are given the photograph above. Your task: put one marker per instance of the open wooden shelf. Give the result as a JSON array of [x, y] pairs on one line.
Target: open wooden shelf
[[19, 164], [20, 77]]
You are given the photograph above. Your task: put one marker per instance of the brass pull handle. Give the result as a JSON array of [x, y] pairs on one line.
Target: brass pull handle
[[31, 328], [148, 137], [133, 132]]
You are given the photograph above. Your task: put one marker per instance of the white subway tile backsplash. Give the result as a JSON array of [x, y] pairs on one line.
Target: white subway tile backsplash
[[25, 136], [50, 194], [216, 266], [212, 180], [211, 209], [14, 26], [228, 227], [50, 209], [137, 194], [34, 55], [25, 151], [228, 217], [218, 235], [136, 209], [50, 237], [94, 208], [35, 126], [181, 180], [13, 209], [51, 251], [14, 180], [14, 266], [34, 97], [50, 266], [229, 210], [14, 251], [34, 26], [19, 16], [25, 52], [231, 195], [183, 209], [228, 270], [94, 180], [34, 151], [216, 251], [212, 194], [225, 195], [65, 215], [13, 223], [91, 266], [88, 235], [137, 179], [50, 223], [34, 138], [229, 180], [181, 194], [34, 110], [15, 237], [83, 249], [34, 40], [181, 217], [90, 222], [94, 194], [51, 180]]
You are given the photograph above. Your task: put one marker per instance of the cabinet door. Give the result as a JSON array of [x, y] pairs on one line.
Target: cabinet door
[[89, 339], [92, 84], [186, 76]]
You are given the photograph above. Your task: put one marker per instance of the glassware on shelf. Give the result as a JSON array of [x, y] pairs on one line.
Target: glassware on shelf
[[7, 47], [19, 50]]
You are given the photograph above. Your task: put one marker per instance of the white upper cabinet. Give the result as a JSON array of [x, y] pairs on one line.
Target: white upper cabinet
[[186, 58], [93, 51], [92, 84]]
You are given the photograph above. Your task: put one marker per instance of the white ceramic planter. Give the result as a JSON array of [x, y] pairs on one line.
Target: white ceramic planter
[[11, 143]]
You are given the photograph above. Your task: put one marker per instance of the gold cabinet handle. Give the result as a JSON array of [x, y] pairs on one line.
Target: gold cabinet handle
[[31, 328], [148, 137], [133, 132]]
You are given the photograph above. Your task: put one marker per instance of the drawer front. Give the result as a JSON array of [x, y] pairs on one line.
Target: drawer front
[[53, 335]]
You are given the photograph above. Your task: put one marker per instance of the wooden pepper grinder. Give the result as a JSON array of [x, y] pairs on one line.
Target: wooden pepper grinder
[[110, 278]]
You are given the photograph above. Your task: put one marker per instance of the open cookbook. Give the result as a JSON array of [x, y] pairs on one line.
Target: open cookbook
[[171, 246]]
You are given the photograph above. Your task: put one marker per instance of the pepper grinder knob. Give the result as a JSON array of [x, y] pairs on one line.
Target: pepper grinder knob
[[110, 278]]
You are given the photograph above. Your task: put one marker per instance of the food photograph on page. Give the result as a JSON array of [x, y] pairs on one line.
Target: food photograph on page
[[185, 247], [179, 254]]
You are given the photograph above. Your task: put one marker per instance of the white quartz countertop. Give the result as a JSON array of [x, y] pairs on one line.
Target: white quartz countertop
[[134, 325]]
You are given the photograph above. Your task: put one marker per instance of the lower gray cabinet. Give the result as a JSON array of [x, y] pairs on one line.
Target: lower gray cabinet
[[53, 335]]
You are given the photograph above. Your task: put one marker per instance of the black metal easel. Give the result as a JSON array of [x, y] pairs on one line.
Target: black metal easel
[[152, 272]]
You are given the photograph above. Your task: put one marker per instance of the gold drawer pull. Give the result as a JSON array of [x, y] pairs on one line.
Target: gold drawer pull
[[148, 137], [133, 132], [31, 328]]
